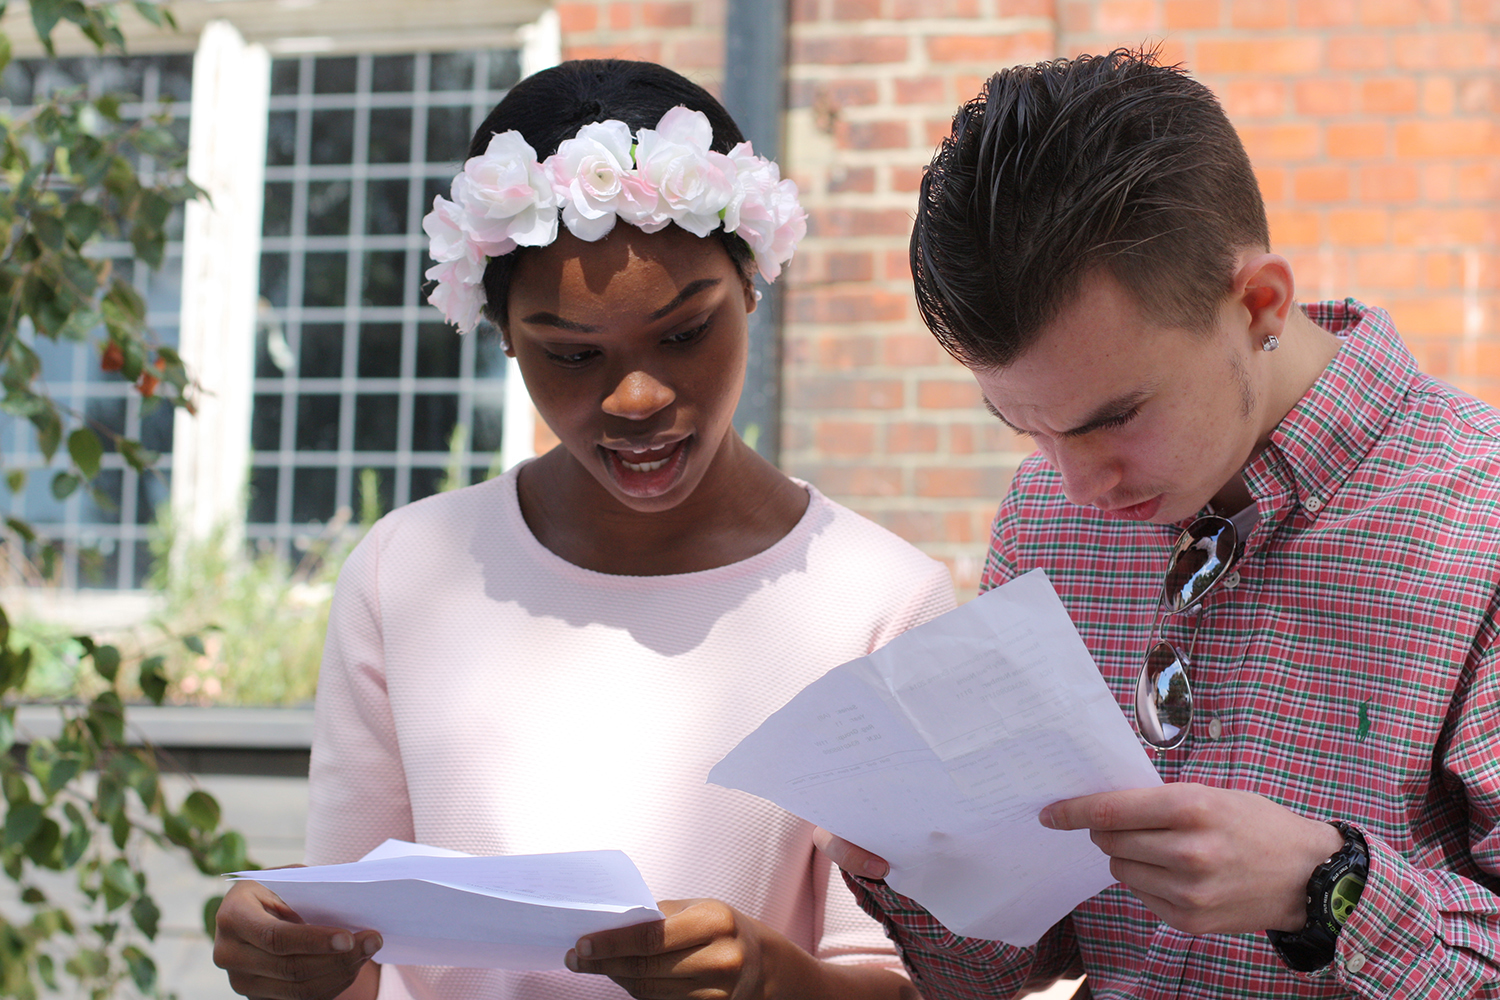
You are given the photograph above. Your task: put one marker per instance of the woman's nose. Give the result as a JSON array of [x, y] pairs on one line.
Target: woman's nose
[[638, 396]]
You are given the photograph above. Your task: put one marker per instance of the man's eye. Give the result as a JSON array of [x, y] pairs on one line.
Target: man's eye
[[1119, 421]]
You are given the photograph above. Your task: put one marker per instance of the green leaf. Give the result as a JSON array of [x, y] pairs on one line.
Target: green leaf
[[106, 713], [7, 729], [194, 644], [16, 480], [48, 229], [210, 914], [201, 810], [42, 846], [32, 896], [227, 853], [21, 821], [154, 678], [146, 915], [82, 221], [21, 528], [106, 662], [121, 883], [139, 458], [64, 484], [48, 430], [5, 49], [150, 11], [80, 834], [142, 969]]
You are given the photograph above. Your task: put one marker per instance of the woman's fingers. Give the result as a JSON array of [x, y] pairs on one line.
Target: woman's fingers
[[269, 952]]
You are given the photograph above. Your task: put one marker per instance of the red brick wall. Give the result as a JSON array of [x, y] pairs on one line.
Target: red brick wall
[[1372, 124]]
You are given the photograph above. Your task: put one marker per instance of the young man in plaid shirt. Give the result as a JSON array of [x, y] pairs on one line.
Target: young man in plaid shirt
[[1091, 244]]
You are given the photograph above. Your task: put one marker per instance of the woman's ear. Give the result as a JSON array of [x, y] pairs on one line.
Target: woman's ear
[[752, 295]]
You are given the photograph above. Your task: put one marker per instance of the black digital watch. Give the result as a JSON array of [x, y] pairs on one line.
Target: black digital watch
[[1331, 894]]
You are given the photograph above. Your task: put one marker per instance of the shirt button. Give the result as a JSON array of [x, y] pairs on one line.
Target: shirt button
[[1232, 579], [1215, 728], [1354, 962], [1313, 504]]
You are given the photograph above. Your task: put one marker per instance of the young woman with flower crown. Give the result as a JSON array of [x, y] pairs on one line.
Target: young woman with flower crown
[[552, 660]]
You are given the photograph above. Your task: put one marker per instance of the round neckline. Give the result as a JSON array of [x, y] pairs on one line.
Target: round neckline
[[537, 550]]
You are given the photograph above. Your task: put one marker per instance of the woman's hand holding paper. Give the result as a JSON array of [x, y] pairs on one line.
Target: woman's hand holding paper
[[270, 953]]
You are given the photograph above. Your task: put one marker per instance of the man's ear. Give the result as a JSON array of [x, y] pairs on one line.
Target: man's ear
[[1265, 289]]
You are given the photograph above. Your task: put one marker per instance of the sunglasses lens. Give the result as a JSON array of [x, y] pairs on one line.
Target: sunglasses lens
[[1163, 698], [1201, 557]]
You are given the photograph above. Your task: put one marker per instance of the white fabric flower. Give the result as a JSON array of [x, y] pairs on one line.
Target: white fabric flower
[[694, 184], [507, 197], [588, 174], [444, 225]]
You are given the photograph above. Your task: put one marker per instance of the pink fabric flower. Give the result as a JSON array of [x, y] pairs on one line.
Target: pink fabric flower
[[694, 184], [765, 212]]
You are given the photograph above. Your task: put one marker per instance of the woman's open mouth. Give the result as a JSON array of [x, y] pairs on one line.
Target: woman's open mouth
[[646, 472]]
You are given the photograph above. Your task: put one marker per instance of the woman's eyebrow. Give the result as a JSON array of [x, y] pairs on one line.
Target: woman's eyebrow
[[552, 319], [693, 288]]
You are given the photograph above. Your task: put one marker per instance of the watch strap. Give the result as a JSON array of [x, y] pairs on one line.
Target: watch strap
[[1332, 892]]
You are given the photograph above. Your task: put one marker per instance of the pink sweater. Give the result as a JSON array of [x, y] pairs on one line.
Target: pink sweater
[[481, 694]]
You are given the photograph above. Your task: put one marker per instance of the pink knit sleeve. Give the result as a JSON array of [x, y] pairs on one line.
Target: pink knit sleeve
[[357, 794]]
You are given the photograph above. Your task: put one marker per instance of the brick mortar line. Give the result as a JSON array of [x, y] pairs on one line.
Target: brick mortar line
[[993, 27]]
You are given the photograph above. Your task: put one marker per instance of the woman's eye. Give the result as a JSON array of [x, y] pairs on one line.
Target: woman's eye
[[576, 358], [687, 336]]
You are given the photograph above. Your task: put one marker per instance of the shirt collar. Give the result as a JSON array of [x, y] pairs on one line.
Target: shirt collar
[[1320, 443]]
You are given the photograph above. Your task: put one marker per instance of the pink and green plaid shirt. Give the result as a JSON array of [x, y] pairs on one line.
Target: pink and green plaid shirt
[[1353, 673]]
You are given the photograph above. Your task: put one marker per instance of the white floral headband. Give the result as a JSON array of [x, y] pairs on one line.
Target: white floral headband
[[506, 199]]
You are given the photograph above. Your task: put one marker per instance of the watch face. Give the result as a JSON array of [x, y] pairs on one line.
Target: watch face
[[1345, 894]]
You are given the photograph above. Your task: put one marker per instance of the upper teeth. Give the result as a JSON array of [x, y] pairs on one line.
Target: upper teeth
[[644, 466]]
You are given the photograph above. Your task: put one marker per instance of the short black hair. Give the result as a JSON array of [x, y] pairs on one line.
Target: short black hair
[[549, 107], [1110, 162]]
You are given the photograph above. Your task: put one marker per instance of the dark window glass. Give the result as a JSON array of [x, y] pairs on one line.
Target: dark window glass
[[101, 504], [448, 135], [107, 416], [265, 424], [262, 506], [145, 563], [276, 218], [385, 278], [317, 423], [489, 421], [273, 278], [153, 493], [451, 71], [164, 288], [489, 355], [375, 419], [284, 74], [323, 279], [98, 564], [41, 505], [328, 208], [157, 417], [335, 75], [391, 74], [56, 358], [380, 350], [322, 350], [505, 69], [432, 422], [313, 493], [176, 77], [438, 351], [385, 207], [390, 135], [332, 136], [281, 138], [425, 482]]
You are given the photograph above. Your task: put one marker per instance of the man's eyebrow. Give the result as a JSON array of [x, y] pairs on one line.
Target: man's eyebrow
[[1103, 414], [693, 288]]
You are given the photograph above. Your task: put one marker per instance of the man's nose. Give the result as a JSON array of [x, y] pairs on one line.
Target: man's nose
[[637, 396], [1086, 477]]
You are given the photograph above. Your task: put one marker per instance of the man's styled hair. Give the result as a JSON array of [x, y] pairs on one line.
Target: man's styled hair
[[1109, 162]]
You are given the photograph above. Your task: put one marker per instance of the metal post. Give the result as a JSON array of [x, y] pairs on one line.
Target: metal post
[[755, 94]]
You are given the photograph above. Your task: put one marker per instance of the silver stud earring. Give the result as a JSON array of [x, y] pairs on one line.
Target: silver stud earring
[[1270, 343]]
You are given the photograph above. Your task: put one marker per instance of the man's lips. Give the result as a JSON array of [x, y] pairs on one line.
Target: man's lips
[[1143, 511]]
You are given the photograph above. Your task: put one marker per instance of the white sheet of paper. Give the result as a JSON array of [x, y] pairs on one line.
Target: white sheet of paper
[[939, 750], [438, 907]]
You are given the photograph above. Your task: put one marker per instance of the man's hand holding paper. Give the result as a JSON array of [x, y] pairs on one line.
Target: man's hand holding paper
[[939, 751]]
